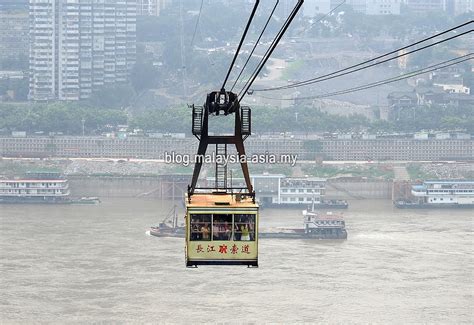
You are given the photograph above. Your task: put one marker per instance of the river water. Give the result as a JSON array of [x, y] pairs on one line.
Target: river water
[[95, 263]]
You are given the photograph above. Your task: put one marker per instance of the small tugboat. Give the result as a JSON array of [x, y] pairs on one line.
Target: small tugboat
[[328, 226], [169, 226], [315, 226]]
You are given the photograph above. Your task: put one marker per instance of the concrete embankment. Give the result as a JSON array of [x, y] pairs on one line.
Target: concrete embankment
[[359, 190], [124, 187], [157, 187]]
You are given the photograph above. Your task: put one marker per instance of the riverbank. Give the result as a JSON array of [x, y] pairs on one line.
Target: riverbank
[[159, 187], [373, 170], [156, 179]]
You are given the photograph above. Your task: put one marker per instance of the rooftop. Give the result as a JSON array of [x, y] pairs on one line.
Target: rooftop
[[402, 94], [33, 180], [452, 181], [219, 201]]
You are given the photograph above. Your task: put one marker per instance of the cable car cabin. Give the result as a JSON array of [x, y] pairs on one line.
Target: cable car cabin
[[221, 229]]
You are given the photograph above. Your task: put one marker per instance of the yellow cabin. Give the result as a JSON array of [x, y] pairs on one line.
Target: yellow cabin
[[221, 229]]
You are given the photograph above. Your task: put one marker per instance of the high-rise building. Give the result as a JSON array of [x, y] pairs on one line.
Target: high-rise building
[[424, 6], [358, 5], [13, 35], [312, 8], [463, 6], [13, 5], [77, 46], [150, 7], [383, 7]]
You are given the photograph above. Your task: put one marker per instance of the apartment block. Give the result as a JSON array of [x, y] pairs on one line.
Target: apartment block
[[425, 6], [8, 5], [13, 34], [77, 46], [383, 7], [151, 7], [313, 8], [459, 7]]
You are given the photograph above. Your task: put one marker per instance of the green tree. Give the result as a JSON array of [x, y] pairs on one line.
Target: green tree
[[113, 96]]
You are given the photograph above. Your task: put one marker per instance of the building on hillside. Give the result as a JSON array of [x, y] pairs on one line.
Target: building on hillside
[[14, 34], [382, 7], [451, 83], [151, 7], [79, 46], [425, 6]]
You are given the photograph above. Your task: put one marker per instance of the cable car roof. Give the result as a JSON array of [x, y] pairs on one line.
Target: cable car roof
[[219, 200]]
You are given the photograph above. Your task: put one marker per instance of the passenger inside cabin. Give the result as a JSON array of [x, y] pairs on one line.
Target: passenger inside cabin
[[216, 234], [237, 233], [222, 227], [244, 229], [195, 231], [227, 231], [206, 232], [200, 227]]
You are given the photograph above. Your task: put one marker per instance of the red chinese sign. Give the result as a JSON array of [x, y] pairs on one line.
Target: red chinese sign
[[224, 249], [199, 249]]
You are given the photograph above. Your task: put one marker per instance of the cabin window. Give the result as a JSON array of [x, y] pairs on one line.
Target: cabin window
[[222, 227], [244, 227], [207, 227], [201, 227]]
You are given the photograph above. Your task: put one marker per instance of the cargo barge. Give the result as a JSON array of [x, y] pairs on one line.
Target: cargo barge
[[315, 226]]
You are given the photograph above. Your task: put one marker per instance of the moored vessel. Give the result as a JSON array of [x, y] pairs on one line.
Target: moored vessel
[[40, 188], [435, 194], [280, 191]]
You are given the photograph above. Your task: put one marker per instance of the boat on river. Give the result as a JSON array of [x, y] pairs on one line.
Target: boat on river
[[40, 188], [315, 226], [435, 194], [169, 226]]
